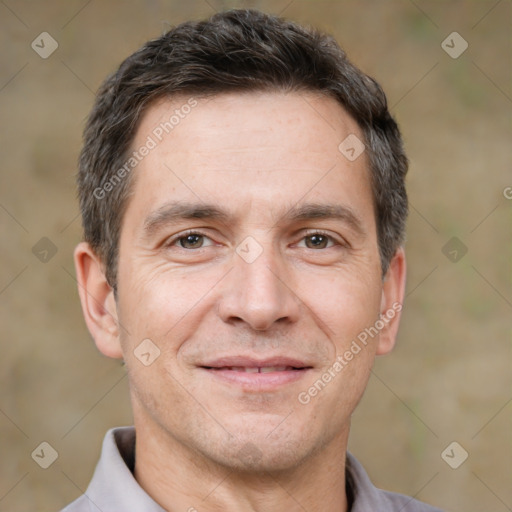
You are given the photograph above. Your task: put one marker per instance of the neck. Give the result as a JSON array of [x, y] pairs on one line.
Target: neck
[[180, 479]]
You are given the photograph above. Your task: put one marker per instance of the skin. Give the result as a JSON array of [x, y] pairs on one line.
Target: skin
[[203, 442]]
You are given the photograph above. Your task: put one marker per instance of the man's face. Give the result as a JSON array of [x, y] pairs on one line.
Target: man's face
[[252, 307]]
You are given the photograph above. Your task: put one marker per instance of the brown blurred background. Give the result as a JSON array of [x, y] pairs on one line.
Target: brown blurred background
[[449, 378]]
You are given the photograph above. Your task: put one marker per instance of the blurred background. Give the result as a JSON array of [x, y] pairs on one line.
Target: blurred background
[[449, 378]]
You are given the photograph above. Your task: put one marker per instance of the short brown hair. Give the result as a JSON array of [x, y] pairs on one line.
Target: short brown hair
[[237, 50]]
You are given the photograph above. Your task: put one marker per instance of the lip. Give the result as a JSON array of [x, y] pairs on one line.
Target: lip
[[253, 362], [280, 371]]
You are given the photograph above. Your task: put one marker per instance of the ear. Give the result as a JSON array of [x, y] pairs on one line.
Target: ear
[[98, 302], [393, 291]]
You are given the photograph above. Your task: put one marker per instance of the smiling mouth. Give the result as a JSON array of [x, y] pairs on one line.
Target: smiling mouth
[[254, 378], [256, 369]]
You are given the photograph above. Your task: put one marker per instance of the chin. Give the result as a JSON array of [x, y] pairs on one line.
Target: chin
[[252, 459], [259, 443], [251, 454]]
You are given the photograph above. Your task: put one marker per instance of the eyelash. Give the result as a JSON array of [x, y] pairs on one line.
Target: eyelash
[[183, 235]]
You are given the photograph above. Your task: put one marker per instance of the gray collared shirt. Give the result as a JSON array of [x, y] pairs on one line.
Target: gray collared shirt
[[113, 487]]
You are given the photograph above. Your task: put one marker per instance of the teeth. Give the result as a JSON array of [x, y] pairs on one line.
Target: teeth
[[255, 369], [244, 369], [269, 369]]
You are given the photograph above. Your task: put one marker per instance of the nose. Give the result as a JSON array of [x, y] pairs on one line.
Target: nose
[[259, 293]]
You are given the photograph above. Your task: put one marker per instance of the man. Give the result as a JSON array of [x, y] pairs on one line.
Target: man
[[243, 201]]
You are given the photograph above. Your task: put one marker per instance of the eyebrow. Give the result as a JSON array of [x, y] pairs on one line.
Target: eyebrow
[[171, 213], [174, 212]]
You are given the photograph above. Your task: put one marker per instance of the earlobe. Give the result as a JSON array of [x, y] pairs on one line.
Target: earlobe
[[98, 302], [393, 291]]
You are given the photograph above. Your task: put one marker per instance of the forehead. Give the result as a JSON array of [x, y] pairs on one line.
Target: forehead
[[314, 123], [265, 149]]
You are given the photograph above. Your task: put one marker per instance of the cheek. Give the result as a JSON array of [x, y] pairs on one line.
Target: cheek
[[345, 302], [352, 305], [161, 304]]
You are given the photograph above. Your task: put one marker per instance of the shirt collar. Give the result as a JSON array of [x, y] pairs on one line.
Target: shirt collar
[[113, 486]]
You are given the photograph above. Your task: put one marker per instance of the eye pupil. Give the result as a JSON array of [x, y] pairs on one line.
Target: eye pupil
[[316, 241], [191, 240]]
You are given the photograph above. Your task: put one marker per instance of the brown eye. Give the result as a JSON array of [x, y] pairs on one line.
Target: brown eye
[[192, 241], [316, 241]]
